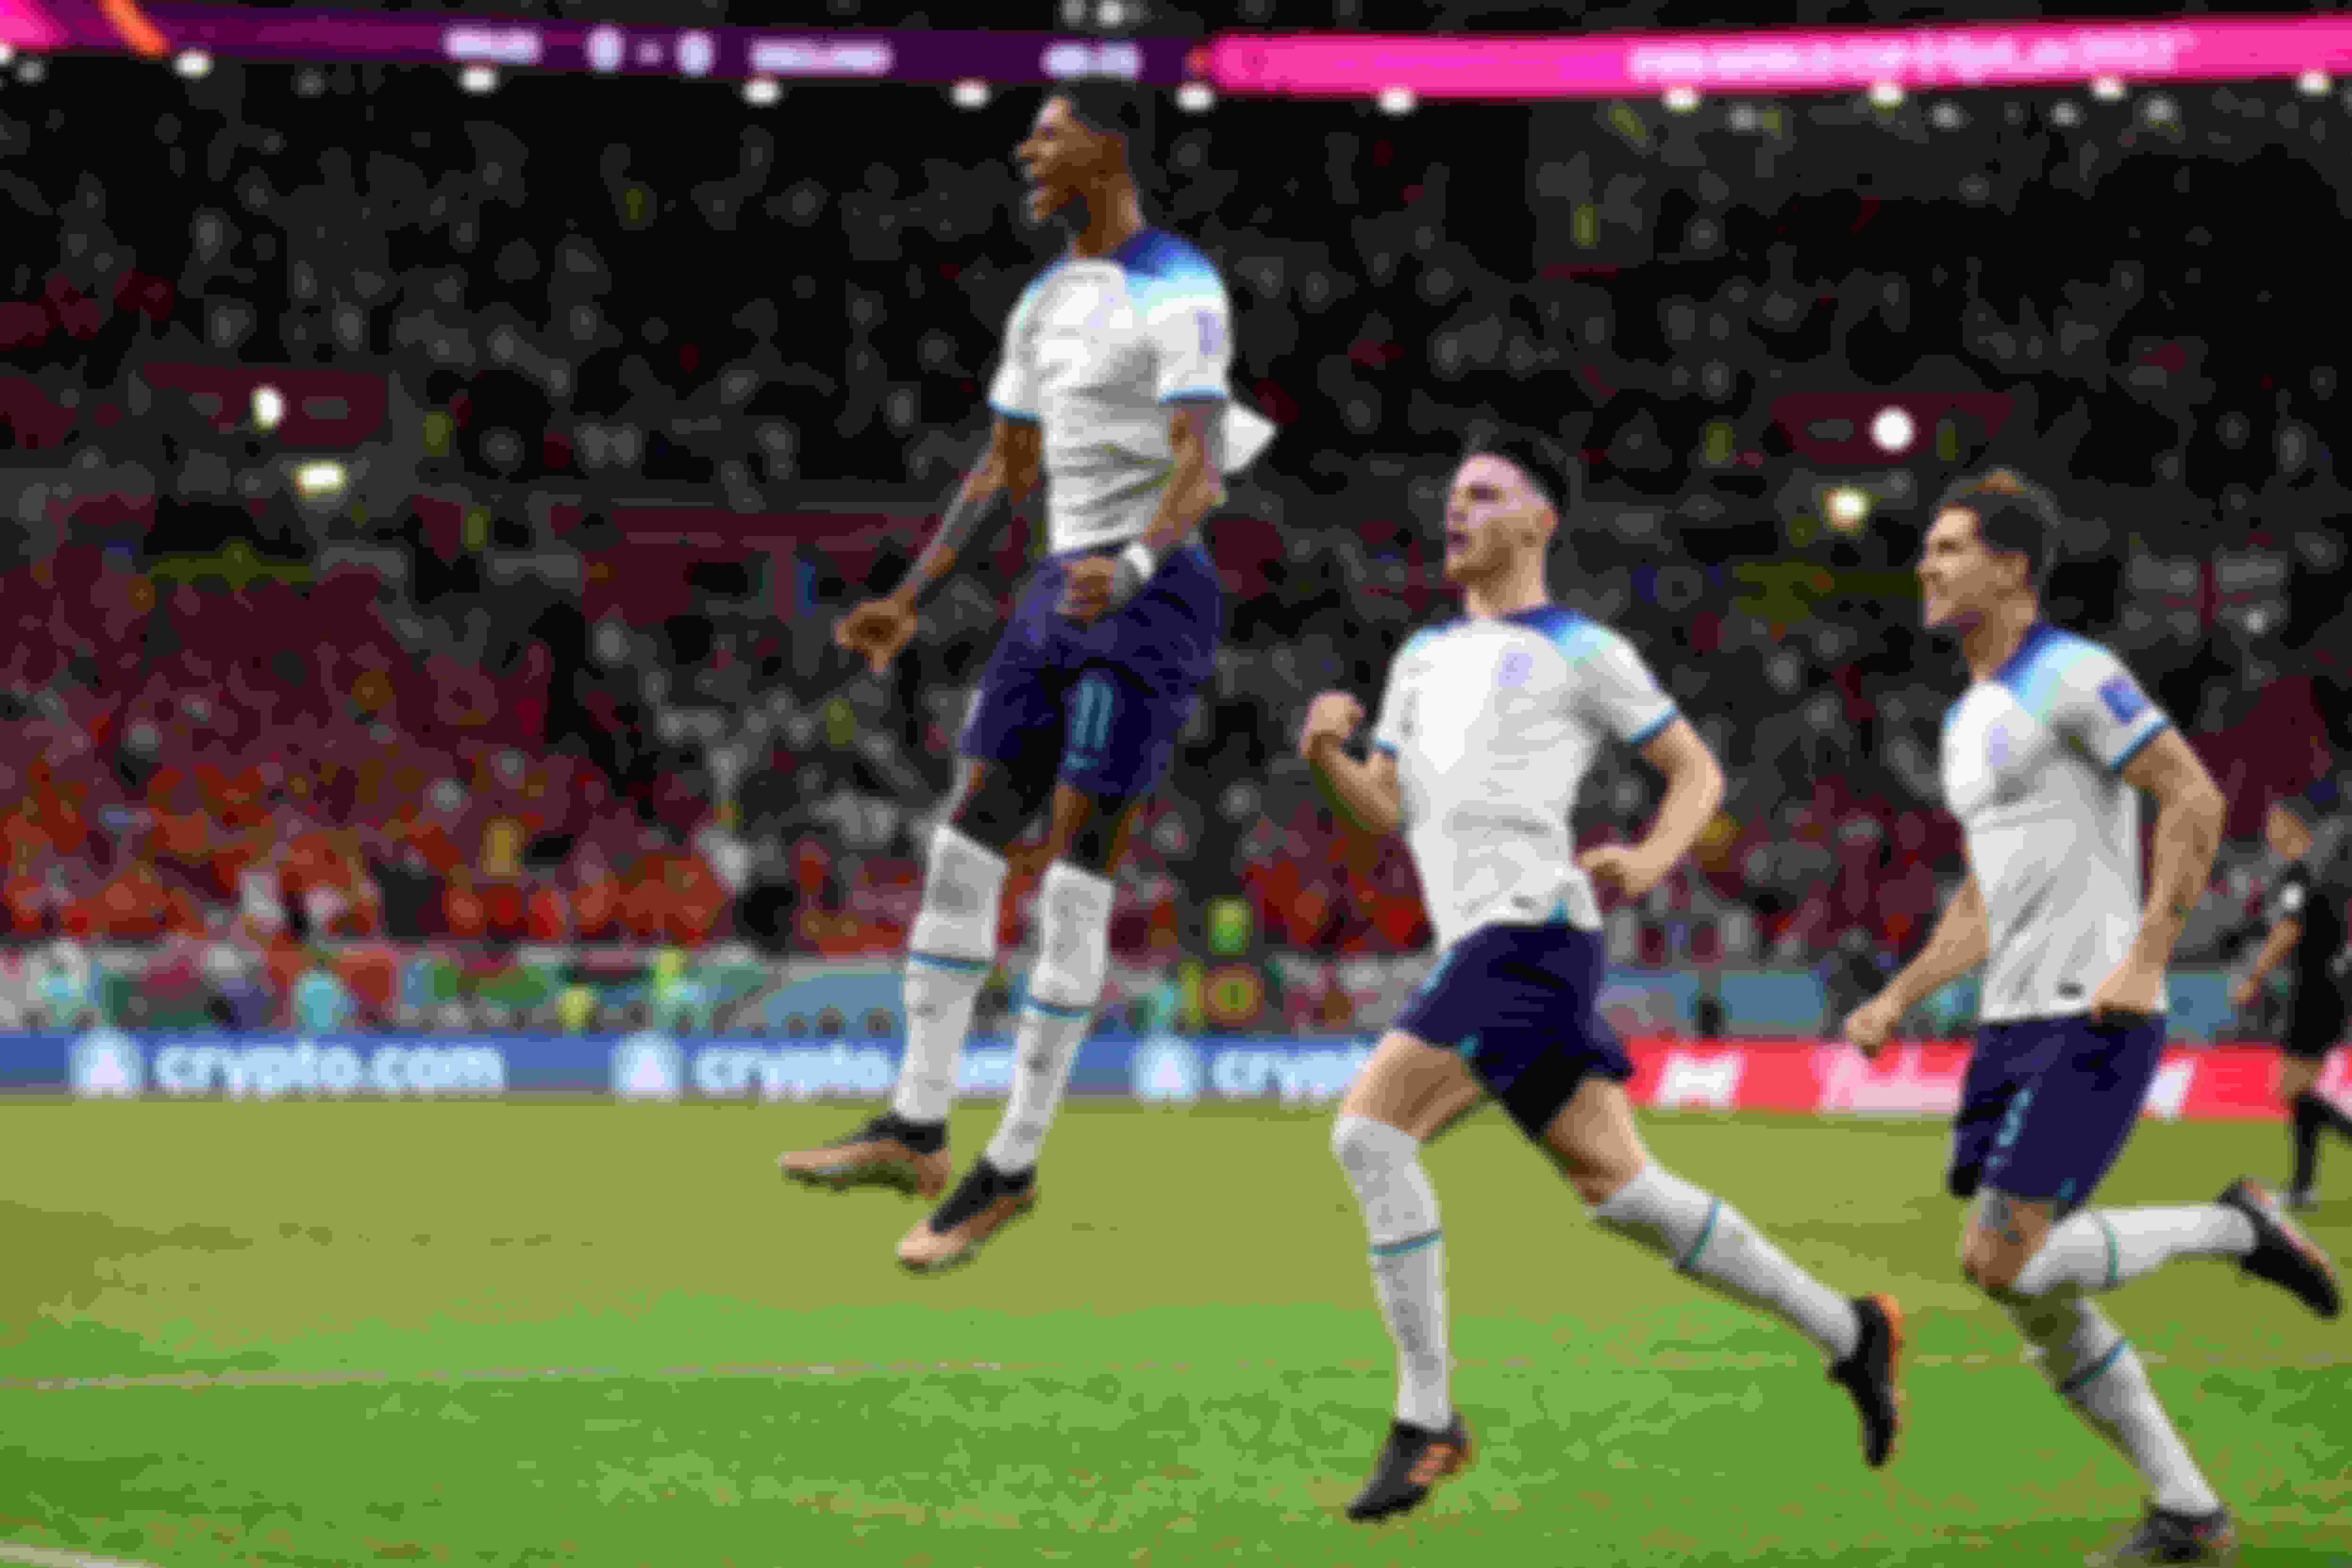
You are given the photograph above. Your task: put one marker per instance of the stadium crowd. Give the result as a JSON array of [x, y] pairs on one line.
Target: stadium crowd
[[621, 418]]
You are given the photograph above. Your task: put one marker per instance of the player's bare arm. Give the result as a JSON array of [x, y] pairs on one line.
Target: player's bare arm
[[1693, 792], [2275, 947], [1366, 794], [879, 629], [1956, 947], [1195, 487], [2190, 810]]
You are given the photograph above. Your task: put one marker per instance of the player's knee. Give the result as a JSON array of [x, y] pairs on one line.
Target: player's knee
[[1992, 1268], [1363, 1146], [991, 811]]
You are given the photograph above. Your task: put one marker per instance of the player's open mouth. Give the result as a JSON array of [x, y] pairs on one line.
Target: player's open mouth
[[1457, 538]]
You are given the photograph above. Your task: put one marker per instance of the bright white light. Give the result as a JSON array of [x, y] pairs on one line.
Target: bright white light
[[7, 53], [30, 70], [268, 408], [1196, 98], [2160, 110], [2313, 84], [1744, 117], [2066, 114], [1886, 94], [762, 92], [1848, 507], [970, 93], [1948, 117], [321, 481], [194, 64], [2107, 88], [1111, 13], [1396, 100], [479, 79], [1682, 99], [1893, 430]]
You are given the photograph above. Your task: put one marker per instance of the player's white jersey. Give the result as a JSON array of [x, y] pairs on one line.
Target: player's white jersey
[[2032, 767], [1098, 352], [1494, 724]]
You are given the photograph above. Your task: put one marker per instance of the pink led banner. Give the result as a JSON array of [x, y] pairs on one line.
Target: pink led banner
[[1620, 65]]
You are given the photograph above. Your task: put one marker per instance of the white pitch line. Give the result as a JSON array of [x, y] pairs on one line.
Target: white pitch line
[[782, 1371], [42, 1557]]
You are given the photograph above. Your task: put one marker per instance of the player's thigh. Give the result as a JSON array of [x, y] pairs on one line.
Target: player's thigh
[[2067, 1092], [1593, 1139], [1089, 831], [2003, 1234], [1412, 1086], [1146, 666], [2298, 1074]]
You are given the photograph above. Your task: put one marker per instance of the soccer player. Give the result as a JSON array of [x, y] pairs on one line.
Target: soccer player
[[1115, 378], [2044, 760], [1485, 735], [2307, 912]]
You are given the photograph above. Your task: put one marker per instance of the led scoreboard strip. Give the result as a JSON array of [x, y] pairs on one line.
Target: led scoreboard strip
[[1292, 65]]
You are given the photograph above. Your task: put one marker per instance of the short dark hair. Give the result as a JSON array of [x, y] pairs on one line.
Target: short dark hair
[[2014, 517], [1547, 463], [1112, 106]]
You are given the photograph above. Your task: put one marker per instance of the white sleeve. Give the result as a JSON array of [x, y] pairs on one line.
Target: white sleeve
[[2098, 705], [1614, 688], [1188, 323], [1393, 726], [1013, 392]]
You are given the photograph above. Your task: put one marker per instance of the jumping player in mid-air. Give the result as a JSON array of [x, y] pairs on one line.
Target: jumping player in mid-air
[[1115, 379], [2044, 760], [1483, 737], [2307, 915]]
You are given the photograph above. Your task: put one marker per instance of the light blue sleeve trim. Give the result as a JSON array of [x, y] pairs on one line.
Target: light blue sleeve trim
[[1656, 726], [1015, 414], [1203, 394], [2139, 745], [1387, 746]]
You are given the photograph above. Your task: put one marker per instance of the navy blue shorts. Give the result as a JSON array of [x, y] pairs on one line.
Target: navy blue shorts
[[1521, 1005], [1099, 706], [2047, 1104]]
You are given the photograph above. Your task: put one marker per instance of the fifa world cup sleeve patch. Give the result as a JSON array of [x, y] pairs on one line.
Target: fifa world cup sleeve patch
[[2123, 699]]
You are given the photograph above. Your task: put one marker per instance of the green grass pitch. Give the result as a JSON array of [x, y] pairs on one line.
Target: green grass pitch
[[595, 1336]]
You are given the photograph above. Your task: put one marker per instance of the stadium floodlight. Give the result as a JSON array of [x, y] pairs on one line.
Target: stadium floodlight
[[970, 93], [2065, 113], [194, 64], [321, 481], [1111, 13], [8, 55], [1886, 94], [2314, 84], [1397, 101], [2107, 88], [1893, 430], [29, 70], [1196, 98], [268, 408], [762, 92], [1682, 99], [479, 79], [1848, 507]]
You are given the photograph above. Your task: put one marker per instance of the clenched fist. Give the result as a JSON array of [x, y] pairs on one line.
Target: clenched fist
[[877, 630], [1334, 716]]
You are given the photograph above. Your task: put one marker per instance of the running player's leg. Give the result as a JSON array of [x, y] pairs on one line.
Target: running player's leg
[[2080, 1087], [2045, 1114], [2304, 1053], [1408, 1093]]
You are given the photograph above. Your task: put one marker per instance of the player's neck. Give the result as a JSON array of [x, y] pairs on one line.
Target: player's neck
[[1487, 601], [1993, 641], [1114, 216]]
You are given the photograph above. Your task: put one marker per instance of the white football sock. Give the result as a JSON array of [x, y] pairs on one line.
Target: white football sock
[[1704, 1236], [1074, 909], [2089, 1362], [1383, 1166], [2098, 1249], [949, 955]]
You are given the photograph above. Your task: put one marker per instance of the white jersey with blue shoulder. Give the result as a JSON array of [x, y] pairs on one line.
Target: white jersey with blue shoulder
[[2032, 767], [1495, 722], [1096, 353]]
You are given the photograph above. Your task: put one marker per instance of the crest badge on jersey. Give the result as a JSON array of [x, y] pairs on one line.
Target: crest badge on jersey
[[2123, 699], [1212, 332], [1996, 745], [1517, 666]]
